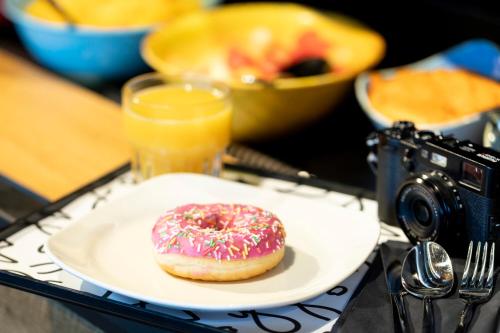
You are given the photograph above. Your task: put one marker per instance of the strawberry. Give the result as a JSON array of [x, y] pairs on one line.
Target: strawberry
[[237, 59], [309, 45]]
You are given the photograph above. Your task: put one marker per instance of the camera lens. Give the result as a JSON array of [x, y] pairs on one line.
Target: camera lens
[[427, 206], [422, 212]]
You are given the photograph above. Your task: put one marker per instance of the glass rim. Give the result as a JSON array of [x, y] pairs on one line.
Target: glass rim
[[128, 91]]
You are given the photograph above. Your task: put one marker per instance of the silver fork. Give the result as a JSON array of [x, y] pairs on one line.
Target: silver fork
[[475, 287]]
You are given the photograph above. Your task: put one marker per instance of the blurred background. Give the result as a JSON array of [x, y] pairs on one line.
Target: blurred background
[[413, 30], [334, 147]]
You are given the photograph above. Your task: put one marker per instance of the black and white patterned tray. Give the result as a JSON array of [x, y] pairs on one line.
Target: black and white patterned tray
[[24, 265]]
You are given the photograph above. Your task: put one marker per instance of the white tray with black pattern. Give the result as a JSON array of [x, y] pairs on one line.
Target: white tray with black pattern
[[24, 264]]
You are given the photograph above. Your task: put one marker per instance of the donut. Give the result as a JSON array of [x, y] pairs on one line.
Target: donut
[[218, 242]]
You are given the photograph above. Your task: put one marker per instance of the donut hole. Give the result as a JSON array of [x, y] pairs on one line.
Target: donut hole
[[215, 222]]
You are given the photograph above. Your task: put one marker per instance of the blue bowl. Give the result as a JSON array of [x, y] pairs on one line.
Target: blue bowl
[[86, 54]]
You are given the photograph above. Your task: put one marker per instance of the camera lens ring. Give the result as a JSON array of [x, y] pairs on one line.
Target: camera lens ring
[[428, 205]]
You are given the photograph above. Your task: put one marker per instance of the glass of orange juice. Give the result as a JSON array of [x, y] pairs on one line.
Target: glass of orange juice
[[176, 125]]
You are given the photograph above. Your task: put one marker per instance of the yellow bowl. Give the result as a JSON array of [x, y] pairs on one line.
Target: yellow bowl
[[263, 110]]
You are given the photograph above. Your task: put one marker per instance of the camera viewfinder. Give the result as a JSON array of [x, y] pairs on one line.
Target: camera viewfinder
[[472, 175]]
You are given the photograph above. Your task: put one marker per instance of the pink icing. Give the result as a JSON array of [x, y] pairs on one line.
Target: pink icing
[[218, 231]]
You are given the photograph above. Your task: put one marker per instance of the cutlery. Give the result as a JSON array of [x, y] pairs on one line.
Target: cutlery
[[243, 156], [64, 13], [475, 287], [393, 277], [427, 273]]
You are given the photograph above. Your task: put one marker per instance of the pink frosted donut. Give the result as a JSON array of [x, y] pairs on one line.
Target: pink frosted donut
[[218, 242]]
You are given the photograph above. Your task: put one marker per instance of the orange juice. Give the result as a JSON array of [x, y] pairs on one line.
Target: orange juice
[[177, 127]]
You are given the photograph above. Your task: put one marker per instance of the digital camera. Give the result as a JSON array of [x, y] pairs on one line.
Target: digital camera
[[436, 187]]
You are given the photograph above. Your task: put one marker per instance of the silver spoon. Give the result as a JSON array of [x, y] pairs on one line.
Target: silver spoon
[[427, 273]]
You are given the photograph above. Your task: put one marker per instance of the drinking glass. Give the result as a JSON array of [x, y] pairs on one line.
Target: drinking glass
[[176, 125]]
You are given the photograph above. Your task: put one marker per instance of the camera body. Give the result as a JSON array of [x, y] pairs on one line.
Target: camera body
[[436, 188]]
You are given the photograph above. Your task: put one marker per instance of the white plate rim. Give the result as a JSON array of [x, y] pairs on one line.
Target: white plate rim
[[317, 290]]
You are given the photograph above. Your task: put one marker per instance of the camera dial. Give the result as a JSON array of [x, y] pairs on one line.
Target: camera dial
[[404, 125], [428, 206], [422, 136], [401, 130]]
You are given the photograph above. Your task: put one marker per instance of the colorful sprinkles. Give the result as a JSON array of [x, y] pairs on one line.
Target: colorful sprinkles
[[219, 231]]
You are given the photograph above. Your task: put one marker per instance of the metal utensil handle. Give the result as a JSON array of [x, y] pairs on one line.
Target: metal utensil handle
[[63, 12], [465, 318], [428, 325], [498, 321], [249, 157], [402, 317]]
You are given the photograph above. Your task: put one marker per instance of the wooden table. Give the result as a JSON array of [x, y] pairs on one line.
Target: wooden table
[[55, 136]]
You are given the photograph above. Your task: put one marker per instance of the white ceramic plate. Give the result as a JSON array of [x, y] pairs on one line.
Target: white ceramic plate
[[111, 246]]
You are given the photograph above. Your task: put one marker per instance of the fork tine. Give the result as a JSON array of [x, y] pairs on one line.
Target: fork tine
[[476, 264], [480, 281], [465, 276], [489, 279]]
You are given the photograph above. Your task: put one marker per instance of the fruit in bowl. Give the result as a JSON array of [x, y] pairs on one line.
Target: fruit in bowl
[[306, 57], [102, 44], [448, 92], [287, 64]]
